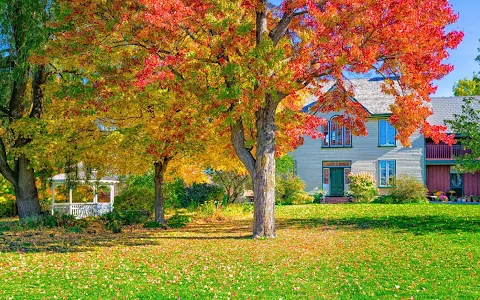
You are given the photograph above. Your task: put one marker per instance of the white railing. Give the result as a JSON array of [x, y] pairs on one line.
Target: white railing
[[83, 210]]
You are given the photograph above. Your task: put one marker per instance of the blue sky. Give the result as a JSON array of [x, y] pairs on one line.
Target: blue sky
[[463, 57]]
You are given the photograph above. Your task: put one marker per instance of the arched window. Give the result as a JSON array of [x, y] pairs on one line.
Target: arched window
[[336, 135]]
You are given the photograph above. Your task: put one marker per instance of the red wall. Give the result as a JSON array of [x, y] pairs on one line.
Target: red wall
[[438, 178], [471, 184]]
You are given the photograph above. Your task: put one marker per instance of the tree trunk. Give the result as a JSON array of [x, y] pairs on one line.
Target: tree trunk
[[160, 168], [264, 183], [26, 192], [261, 168]]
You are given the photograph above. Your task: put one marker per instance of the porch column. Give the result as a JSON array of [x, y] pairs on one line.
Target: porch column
[[95, 196], [112, 194], [53, 197], [70, 198]]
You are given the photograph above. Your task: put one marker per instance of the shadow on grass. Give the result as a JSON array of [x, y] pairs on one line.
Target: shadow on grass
[[418, 225], [60, 240]]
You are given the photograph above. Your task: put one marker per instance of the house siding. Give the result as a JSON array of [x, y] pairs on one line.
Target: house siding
[[471, 184], [438, 178], [364, 156]]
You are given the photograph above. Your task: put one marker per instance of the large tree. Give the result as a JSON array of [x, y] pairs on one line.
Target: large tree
[[23, 33], [254, 62]]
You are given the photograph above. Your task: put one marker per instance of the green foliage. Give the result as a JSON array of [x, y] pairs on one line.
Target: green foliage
[[31, 222], [138, 194], [131, 217], [284, 166], [363, 187], [206, 209], [153, 224], [7, 207], [7, 199], [232, 183], [113, 221], [75, 229], [319, 195], [290, 190], [174, 193], [384, 199], [177, 221], [467, 124], [50, 221], [200, 193], [467, 87], [408, 189]]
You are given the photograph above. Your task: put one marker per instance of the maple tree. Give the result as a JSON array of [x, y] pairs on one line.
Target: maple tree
[[254, 62], [160, 124]]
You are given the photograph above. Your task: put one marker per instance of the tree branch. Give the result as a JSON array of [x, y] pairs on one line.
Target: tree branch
[[5, 169], [279, 31], [238, 141]]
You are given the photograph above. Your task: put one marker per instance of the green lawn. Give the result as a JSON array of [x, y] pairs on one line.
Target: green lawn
[[322, 251]]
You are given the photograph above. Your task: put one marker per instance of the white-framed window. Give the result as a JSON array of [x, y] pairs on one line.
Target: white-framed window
[[386, 172], [335, 135], [386, 133]]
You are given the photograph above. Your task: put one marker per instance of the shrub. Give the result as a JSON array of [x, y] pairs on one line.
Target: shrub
[[206, 209], [113, 221], [7, 206], [408, 189], [200, 193], [153, 224], [32, 222], [318, 196], [363, 187], [135, 198], [177, 221], [7, 199], [385, 199], [290, 190], [131, 217], [50, 221], [174, 193]]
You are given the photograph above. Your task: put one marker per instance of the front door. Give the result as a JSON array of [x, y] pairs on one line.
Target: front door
[[337, 182]]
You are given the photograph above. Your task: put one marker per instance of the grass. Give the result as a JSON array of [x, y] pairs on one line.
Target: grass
[[322, 251]]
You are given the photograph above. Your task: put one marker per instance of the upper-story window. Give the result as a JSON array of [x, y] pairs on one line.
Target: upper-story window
[[386, 134], [336, 135]]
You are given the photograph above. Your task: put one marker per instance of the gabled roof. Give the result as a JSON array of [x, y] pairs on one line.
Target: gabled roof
[[368, 92], [444, 108]]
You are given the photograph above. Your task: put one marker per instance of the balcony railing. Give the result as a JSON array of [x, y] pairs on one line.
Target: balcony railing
[[445, 151]]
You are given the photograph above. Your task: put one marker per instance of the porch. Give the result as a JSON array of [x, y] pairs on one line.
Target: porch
[[445, 152]]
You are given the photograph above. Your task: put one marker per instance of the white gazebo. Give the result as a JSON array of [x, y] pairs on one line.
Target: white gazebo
[[84, 209]]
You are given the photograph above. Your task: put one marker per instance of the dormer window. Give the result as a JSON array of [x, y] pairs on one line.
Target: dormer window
[[336, 135]]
